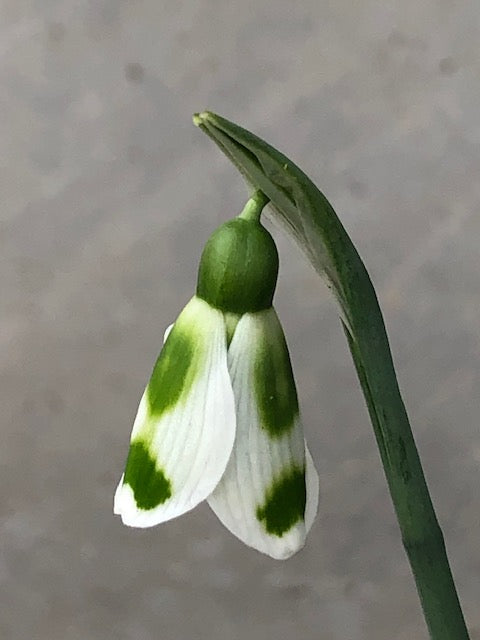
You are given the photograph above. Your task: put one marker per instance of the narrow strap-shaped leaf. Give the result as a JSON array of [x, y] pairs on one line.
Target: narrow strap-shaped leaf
[[308, 216]]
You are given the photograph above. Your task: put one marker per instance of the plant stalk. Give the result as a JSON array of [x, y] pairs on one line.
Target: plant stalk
[[308, 216]]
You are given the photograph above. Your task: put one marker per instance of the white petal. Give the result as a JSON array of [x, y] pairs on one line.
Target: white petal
[[313, 490], [168, 331], [185, 427], [259, 498]]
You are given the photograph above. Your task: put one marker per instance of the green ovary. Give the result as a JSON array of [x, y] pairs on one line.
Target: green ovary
[[285, 503], [239, 267], [150, 486]]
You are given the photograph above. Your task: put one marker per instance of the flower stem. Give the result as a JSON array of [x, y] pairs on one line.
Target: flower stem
[[310, 219], [254, 206]]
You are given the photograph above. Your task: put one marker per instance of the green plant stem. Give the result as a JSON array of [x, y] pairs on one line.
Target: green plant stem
[[254, 207], [308, 216]]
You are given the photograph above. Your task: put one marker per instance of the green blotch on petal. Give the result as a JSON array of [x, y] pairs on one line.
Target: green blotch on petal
[[174, 372], [275, 389], [285, 503], [149, 484]]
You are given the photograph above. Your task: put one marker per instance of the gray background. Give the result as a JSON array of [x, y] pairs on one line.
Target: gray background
[[108, 193]]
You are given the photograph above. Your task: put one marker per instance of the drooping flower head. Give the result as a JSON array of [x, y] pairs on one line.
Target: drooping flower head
[[219, 419]]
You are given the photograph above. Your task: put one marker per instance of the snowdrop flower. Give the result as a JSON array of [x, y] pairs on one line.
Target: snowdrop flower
[[219, 419]]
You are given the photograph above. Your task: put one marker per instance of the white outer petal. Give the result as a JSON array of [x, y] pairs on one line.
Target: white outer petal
[[191, 442], [257, 457], [168, 331], [313, 490]]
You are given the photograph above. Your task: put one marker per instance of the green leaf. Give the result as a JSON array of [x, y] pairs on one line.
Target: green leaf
[[309, 218]]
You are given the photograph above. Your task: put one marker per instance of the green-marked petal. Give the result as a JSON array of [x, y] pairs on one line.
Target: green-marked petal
[[265, 497], [185, 426]]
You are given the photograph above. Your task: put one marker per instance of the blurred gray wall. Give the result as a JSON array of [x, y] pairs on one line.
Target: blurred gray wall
[[107, 194]]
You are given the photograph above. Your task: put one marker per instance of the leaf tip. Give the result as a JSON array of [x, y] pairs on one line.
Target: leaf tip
[[201, 119]]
